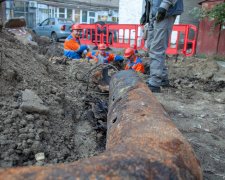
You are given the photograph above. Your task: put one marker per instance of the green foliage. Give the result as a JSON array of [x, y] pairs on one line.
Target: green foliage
[[217, 13], [198, 13]]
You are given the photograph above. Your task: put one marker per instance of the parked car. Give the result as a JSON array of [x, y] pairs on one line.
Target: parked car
[[54, 28], [111, 34]]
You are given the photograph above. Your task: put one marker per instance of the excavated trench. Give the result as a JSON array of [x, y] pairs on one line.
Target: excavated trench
[[67, 121]]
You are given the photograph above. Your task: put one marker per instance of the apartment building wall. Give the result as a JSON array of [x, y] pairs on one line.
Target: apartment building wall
[[88, 11], [97, 4], [80, 11]]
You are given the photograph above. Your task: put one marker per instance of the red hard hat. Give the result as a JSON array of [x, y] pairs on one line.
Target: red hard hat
[[101, 46], [128, 52], [76, 27]]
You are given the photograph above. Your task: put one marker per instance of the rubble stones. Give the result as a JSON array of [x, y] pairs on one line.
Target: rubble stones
[[32, 103], [23, 122], [29, 81], [220, 98], [29, 117]]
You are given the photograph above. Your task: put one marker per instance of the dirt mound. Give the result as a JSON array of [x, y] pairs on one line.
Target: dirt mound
[[204, 74], [67, 129]]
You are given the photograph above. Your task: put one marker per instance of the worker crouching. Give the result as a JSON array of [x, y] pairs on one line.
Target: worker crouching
[[102, 57], [133, 62], [72, 47]]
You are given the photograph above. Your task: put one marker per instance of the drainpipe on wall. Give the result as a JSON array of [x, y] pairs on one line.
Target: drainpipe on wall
[[2, 11], [11, 9]]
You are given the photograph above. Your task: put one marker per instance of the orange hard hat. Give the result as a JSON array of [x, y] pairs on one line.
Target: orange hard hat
[[101, 46], [128, 52], [76, 27]]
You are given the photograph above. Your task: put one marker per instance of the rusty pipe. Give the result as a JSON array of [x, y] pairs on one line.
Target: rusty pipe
[[142, 142]]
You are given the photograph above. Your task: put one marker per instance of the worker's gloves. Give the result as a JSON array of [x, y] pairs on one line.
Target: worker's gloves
[[161, 14]]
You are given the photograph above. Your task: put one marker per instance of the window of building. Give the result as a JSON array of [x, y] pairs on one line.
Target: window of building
[[102, 18], [69, 14], [77, 16], [115, 19], [84, 16], [53, 12], [92, 14], [91, 17], [19, 6], [62, 12]]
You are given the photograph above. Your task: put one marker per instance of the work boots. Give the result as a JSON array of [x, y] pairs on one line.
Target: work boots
[[154, 89], [165, 83]]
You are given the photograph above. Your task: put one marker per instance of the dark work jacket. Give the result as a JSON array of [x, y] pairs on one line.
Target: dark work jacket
[[145, 16], [173, 7]]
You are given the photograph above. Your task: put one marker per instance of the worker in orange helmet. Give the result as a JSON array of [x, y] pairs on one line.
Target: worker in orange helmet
[[134, 62], [72, 47], [101, 56]]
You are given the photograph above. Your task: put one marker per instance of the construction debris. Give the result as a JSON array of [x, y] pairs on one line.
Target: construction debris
[[31, 103], [74, 126], [141, 144], [15, 23]]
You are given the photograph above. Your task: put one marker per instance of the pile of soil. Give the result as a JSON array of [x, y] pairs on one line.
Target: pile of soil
[[73, 122]]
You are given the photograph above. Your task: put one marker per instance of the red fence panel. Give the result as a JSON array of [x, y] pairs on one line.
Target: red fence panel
[[183, 41], [89, 34], [127, 35], [123, 35]]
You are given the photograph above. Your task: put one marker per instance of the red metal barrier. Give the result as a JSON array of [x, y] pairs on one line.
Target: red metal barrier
[[193, 41], [183, 41], [126, 35], [89, 34]]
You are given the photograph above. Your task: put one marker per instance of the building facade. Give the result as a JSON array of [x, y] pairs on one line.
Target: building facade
[[80, 11], [132, 10]]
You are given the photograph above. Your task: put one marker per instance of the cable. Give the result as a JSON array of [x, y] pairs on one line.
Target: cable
[[103, 66], [85, 78]]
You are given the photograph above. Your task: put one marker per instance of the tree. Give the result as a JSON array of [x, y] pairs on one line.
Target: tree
[[217, 13]]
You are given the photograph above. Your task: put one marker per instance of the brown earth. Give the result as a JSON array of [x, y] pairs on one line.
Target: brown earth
[[75, 125], [69, 131]]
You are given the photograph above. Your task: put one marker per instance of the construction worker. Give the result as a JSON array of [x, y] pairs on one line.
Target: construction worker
[[72, 47], [134, 62], [101, 56], [160, 16]]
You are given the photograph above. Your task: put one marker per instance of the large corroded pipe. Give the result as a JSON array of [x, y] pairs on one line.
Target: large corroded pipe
[[142, 142]]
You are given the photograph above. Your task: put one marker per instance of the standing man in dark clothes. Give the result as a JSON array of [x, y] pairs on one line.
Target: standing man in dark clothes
[[160, 16]]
